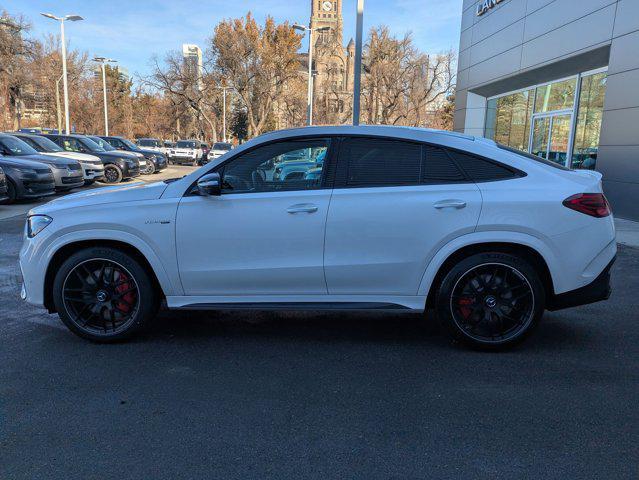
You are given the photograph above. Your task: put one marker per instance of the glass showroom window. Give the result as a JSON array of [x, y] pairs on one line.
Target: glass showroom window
[[556, 96], [508, 119], [589, 113]]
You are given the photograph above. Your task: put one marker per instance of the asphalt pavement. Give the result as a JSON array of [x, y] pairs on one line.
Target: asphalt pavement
[[234, 395]]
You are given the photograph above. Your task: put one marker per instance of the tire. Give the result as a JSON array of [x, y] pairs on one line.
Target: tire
[[112, 174], [150, 169], [11, 192], [104, 295], [491, 300], [196, 162]]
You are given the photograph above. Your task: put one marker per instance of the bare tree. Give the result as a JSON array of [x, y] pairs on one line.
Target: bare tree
[[258, 62]]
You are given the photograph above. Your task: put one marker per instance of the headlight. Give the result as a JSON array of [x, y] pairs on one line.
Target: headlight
[[37, 223], [27, 173]]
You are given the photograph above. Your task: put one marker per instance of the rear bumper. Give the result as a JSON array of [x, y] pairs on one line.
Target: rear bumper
[[596, 291]]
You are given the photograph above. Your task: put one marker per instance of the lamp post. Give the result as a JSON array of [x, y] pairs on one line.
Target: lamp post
[[357, 84], [70, 18], [309, 100], [224, 90], [102, 61], [57, 103]]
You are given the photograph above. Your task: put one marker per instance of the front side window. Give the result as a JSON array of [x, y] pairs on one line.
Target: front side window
[[282, 166], [374, 162]]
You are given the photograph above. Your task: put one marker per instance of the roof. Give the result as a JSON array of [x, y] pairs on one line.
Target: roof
[[374, 130]]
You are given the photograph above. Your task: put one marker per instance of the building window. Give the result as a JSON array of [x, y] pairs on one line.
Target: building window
[[508, 119], [556, 96], [589, 114]]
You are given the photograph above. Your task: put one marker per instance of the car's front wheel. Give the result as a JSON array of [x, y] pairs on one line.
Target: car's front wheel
[[491, 300], [103, 294], [112, 174], [150, 168]]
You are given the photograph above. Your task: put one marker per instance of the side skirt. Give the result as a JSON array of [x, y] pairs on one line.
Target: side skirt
[[307, 303]]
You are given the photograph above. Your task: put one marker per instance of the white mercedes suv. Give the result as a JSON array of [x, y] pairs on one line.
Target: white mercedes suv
[[380, 218]]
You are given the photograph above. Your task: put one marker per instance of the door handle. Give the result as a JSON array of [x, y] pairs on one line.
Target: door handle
[[302, 208], [458, 204]]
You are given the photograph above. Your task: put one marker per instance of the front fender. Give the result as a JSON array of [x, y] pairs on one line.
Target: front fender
[[544, 248], [35, 259]]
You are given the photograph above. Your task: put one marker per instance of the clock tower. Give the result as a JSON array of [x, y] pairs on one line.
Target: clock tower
[[327, 13]]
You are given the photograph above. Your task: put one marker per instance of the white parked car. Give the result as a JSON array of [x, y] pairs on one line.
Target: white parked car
[[398, 219], [186, 151], [218, 149], [92, 166]]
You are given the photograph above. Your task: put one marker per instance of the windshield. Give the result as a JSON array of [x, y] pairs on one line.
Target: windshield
[[222, 146], [14, 146], [101, 143], [44, 144], [92, 145], [186, 144], [149, 143], [129, 144]]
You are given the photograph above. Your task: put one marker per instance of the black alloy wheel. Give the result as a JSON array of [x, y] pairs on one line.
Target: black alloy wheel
[[150, 167], [112, 174], [104, 294], [101, 296], [491, 300]]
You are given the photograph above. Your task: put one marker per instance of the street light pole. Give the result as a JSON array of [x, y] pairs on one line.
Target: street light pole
[[357, 84], [71, 18], [103, 61], [224, 89], [57, 103], [309, 98]]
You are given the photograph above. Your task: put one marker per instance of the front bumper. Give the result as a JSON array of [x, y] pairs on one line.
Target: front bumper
[[92, 172], [65, 181], [596, 291], [180, 159]]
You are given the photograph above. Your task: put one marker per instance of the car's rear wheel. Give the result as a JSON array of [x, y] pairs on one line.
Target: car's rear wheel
[[491, 300], [112, 174], [103, 294]]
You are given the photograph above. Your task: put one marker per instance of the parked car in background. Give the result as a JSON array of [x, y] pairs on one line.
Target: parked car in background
[[186, 151], [399, 220], [166, 147], [150, 144], [142, 162], [26, 179], [218, 149], [3, 187], [117, 165], [92, 166], [67, 173], [155, 160]]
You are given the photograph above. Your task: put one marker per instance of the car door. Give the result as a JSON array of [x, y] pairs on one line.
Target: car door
[[262, 235], [395, 203]]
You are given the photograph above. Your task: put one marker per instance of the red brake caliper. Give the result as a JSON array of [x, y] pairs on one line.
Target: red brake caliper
[[129, 297], [464, 303]]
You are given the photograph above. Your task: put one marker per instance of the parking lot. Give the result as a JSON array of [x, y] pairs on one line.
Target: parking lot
[[317, 395]]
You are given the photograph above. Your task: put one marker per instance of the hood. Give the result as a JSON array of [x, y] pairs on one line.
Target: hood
[[58, 162], [104, 195], [22, 163], [146, 151], [80, 157]]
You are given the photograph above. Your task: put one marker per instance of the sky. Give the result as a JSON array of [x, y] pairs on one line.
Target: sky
[[133, 31]]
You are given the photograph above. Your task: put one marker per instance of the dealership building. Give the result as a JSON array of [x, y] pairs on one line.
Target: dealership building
[[557, 78]]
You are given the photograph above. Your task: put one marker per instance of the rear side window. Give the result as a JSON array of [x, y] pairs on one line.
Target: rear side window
[[535, 158], [439, 167], [482, 170], [379, 162]]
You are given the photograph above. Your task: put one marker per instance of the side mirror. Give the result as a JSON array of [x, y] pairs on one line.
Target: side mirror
[[210, 185]]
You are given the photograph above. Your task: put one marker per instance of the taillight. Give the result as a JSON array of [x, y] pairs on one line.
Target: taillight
[[593, 204]]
